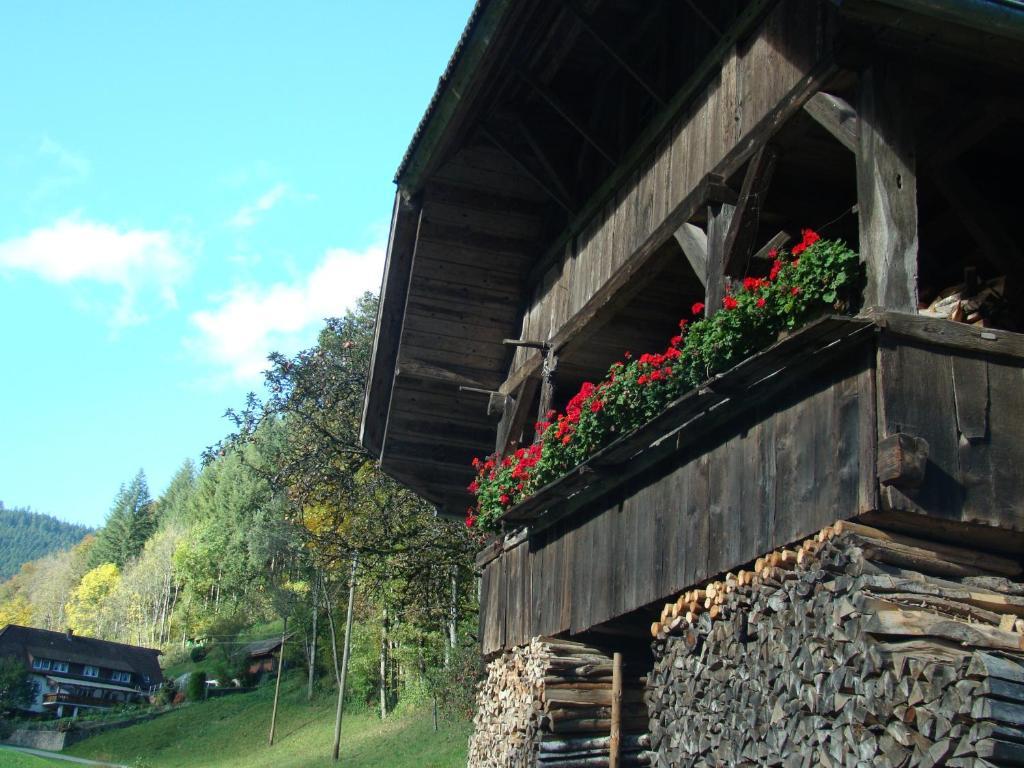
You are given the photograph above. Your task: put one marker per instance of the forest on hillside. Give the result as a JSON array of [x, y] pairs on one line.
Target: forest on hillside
[[26, 535], [285, 520]]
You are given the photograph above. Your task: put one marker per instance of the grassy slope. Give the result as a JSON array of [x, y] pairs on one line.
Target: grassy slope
[[231, 732], [11, 759]]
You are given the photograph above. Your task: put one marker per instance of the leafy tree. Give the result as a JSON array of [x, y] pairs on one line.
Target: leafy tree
[[15, 688], [131, 521], [88, 611]]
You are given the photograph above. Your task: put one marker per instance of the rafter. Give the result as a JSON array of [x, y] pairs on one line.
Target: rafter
[[614, 54], [555, 103], [552, 193], [545, 162]]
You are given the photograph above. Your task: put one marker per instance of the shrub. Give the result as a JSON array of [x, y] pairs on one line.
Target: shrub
[[198, 653], [817, 276], [195, 688]]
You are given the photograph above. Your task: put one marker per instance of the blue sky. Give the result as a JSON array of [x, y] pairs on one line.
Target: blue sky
[[184, 187]]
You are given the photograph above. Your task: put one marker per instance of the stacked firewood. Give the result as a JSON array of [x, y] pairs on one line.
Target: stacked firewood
[[549, 703], [969, 302], [857, 647]]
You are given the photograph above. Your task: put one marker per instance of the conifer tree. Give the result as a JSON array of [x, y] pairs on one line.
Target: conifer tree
[[131, 521]]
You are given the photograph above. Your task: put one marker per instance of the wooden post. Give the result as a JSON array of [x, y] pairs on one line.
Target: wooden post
[[887, 187], [277, 686], [344, 660], [616, 732], [547, 384], [719, 219]]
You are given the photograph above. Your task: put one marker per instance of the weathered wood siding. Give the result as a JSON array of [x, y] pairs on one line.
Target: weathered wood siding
[[756, 75], [970, 409], [774, 474]]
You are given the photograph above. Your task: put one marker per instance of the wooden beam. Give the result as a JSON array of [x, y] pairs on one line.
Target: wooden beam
[[617, 57], [555, 103], [704, 17], [517, 412], [420, 369], [766, 252], [650, 256], [988, 230], [545, 163], [837, 117], [902, 460], [552, 193], [694, 242], [887, 187], [720, 216], [743, 226]]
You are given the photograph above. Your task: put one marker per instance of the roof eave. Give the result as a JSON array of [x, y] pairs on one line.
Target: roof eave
[[448, 100]]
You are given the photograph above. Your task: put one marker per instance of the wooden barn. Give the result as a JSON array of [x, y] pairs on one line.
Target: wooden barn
[[589, 169]]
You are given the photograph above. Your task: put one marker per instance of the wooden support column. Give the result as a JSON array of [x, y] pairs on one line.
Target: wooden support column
[[547, 383], [615, 740], [887, 187], [719, 219]]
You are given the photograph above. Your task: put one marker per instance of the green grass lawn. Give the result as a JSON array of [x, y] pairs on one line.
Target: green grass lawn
[[11, 759], [231, 732]]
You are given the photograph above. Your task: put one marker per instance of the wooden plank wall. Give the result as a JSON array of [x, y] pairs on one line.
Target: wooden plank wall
[[970, 409], [755, 77], [775, 474]]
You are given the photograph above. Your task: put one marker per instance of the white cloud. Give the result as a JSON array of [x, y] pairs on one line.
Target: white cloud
[[77, 251], [252, 321], [248, 215]]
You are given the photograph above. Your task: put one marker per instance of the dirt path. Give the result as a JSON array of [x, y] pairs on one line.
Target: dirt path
[[59, 756]]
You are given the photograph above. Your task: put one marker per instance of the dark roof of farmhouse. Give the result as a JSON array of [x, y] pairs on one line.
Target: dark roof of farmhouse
[[32, 643]]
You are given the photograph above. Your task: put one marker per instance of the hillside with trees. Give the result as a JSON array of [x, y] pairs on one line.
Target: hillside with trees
[[26, 535], [286, 527]]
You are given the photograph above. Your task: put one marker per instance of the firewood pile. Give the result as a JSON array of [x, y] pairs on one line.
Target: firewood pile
[[969, 302], [548, 704], [857, 647]]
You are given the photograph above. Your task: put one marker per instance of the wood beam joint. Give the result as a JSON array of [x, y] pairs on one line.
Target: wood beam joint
[[837, 117]]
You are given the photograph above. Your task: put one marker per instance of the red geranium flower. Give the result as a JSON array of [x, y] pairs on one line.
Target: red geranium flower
[[795, 290], [776, 268], [729, 302], [697, 308], [760, 301], [596, 406], [505, 499], [675, 341]]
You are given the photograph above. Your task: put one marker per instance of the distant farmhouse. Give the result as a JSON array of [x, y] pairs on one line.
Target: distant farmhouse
[[70, 673]]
